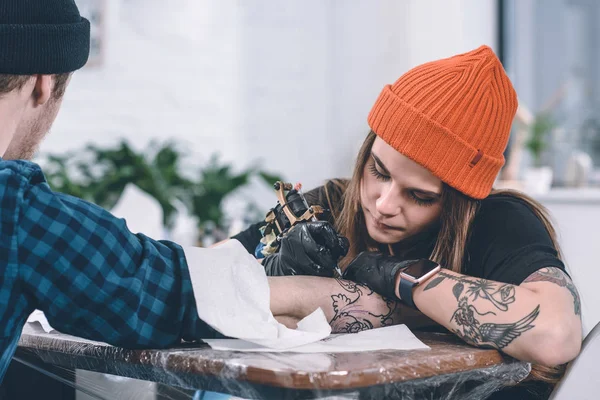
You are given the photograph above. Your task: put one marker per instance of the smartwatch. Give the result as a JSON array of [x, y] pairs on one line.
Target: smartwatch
[[413, 275]]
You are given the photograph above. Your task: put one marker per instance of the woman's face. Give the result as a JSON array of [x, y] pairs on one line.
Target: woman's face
[[399, 197]]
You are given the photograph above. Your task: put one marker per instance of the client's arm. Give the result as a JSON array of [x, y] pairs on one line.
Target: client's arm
[[349, 307]]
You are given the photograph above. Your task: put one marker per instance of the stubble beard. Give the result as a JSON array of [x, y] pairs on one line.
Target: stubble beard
[[27, 144]]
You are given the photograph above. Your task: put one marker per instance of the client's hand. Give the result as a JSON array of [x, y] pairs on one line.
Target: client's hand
[[310, 248], [377, 271]]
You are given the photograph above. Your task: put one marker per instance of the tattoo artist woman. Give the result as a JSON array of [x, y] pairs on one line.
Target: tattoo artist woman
[[422, 190]]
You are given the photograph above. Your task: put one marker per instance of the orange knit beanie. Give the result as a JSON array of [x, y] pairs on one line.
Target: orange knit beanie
[[453, 116]]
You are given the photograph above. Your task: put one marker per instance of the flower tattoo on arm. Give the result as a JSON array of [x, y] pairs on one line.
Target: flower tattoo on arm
[[355, 312], [499, 295]]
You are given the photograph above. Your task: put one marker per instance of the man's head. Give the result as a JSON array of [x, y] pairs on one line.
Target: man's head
[[42, 42]]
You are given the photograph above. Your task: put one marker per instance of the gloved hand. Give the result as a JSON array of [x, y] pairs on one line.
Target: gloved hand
[[309, 248], [377, 271]]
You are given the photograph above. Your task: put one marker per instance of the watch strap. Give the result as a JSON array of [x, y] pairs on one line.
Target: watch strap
[[406, 292]]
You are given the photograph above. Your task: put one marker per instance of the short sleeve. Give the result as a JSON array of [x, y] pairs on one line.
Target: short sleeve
[[509, 242]]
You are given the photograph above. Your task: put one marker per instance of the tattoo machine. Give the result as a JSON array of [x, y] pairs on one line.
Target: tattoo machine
[[290, 210]]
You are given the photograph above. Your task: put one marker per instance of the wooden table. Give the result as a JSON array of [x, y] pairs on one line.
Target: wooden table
[[448, 365]]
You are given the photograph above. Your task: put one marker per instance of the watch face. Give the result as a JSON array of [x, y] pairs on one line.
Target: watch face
[[420, 268]]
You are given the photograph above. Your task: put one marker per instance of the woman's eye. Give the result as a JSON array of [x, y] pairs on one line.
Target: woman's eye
[[422, 201], [377, 174]]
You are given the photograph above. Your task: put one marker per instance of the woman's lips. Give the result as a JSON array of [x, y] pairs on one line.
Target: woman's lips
[[382, 226]]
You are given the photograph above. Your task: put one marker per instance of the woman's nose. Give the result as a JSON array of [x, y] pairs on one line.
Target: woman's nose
[[389, 203]]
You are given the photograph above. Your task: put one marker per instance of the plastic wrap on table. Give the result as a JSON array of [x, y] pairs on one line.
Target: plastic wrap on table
[[450, 370]]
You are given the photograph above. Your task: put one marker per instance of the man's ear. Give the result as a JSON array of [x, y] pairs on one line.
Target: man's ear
[[42, 91]]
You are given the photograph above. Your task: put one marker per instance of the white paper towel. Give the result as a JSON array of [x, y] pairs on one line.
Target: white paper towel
[[232, 296], [37, 321], [397, 337]]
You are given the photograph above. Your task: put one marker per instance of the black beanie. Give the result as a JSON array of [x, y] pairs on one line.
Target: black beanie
[[42, 37]]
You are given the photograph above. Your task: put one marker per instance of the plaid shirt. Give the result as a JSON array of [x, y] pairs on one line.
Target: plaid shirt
[[90, 275]]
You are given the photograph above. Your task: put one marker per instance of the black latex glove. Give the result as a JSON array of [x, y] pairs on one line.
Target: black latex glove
[[309, 248], [377, 271]]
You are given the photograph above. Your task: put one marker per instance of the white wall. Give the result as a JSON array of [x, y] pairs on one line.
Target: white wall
[[171, 71], [443, 28], [287, 82]]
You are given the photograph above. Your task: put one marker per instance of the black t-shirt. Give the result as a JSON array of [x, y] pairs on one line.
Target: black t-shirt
[[507, 243]]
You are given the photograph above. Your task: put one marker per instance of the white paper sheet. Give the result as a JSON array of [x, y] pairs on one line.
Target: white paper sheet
[[397, 337], [37, 320], [232, 296]]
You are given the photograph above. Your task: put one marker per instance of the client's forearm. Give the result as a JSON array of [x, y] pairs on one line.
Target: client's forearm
[[348, 307]]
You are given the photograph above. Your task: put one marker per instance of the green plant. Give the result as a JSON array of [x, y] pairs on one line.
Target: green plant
[[537, 141], [100, 174], [216, 182]]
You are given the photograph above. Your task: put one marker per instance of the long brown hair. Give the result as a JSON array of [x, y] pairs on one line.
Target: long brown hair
[[453, 228]]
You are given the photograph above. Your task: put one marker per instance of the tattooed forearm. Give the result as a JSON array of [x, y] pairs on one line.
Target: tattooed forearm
[[352, 315], [558, 277], [499, 294], [504, 316], [488, 334]]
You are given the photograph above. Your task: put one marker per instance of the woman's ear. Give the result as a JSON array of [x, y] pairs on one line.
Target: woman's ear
[[42, 90]]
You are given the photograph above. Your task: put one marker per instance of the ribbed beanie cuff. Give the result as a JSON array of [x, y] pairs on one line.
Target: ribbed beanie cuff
[[44, 49], [42, 37], [433, 146]]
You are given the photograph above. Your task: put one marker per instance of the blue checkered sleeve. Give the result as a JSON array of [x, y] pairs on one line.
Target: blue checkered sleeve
[[90, 275]]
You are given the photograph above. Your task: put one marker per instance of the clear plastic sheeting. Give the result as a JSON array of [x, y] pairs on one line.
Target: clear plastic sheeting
[[450, 370]]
